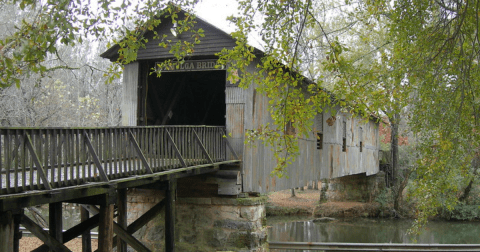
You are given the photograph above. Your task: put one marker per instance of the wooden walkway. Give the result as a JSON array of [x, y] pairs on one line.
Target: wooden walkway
[[45, 159], [95, 166]]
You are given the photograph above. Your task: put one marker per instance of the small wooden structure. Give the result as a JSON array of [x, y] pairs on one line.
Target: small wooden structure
[[199, 94]]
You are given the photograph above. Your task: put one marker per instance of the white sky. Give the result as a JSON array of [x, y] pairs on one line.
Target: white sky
[[216, 12]]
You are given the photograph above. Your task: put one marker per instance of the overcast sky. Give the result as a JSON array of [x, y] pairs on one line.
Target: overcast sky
[[216, 12]]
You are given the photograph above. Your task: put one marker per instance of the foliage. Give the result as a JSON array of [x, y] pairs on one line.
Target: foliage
[[462, 211], [50, 24], [384, 198]]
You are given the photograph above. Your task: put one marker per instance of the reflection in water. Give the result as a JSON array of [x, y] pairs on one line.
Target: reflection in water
[[372, 231]]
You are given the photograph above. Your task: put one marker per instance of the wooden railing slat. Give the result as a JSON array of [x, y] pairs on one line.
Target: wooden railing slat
[[202, 147], [95, 158], [175, 149], [40, 170], [47, 158], [139, 152]]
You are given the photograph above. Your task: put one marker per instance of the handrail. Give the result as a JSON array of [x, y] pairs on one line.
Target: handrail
[[332, 246], [50, 158]]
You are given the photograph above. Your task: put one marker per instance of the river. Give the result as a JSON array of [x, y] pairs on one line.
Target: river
[[365, 230]]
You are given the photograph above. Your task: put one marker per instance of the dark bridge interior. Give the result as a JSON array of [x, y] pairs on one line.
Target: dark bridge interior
[[186, 98]]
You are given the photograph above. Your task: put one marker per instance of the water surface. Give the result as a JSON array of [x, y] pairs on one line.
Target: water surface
[[365, 230]]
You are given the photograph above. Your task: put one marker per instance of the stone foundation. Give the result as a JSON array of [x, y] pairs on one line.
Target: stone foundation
[[203, 224], [358, 187]]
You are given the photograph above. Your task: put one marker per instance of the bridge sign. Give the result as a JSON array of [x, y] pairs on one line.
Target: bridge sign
[[190, 65]]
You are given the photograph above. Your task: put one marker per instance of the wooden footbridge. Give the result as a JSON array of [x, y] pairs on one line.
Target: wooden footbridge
[[95, 166]]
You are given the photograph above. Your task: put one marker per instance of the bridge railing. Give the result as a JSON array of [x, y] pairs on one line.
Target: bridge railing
[[48, 158]]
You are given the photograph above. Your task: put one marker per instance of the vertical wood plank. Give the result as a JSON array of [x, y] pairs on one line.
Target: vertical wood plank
[[17, 234], [6, 232], [42, 150], [2, 157], [55, 221], [16, 171], [71, 156], [35, 138], [23, 160], [8, 156], [105, 229], [77, 155], [86, 237], [170, 216], [59, 152], [122, 217], [116, 153]]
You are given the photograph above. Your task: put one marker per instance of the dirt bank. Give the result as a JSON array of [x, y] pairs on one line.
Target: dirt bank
[[307, 203], [28, 244]]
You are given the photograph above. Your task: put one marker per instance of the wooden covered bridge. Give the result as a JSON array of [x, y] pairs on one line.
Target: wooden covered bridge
[[95, 166]]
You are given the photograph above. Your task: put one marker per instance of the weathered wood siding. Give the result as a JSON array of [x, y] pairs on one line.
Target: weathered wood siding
[[130, 95], [328, 162], [235, 117], [212, 43]]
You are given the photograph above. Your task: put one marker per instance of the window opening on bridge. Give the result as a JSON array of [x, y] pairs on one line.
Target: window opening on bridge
[[319, 141], [186, 98], [361, 138], [319, 130], [344, 131]]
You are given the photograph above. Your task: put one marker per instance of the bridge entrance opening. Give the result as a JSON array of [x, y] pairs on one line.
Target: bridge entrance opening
[[186, 98]]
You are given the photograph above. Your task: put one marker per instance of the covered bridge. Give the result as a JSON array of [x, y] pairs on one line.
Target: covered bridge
[[197, 93]]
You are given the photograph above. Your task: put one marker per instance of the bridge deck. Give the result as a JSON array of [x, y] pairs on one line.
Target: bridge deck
[[39, 160]]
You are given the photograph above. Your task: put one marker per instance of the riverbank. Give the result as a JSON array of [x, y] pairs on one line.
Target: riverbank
[[307, 203]]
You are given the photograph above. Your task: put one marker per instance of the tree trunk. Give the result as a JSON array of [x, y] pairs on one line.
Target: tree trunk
[[394, 122]]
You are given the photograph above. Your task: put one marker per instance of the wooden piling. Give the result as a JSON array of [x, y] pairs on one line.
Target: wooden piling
[[105, 229], [6, 231], [55, 221], [86, 237], [170, 216], [122, 217]]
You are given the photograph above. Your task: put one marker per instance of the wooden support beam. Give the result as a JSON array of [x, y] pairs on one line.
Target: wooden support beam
[[38, 231], [105, 229], [6, 231], [230, 146], [41, 172], [170, 216], [17, 218], [139, 152], [74, 232], [173, 102], [122, 217], [95, 158], [202, 147], [55, 221], [175, 149], [122, 233], [86, 236]]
